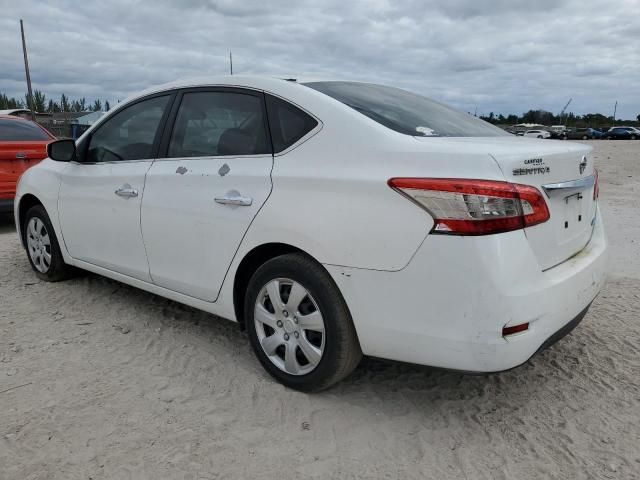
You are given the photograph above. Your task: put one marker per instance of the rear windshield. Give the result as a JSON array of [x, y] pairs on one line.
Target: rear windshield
[[406, 112], [18, 130]]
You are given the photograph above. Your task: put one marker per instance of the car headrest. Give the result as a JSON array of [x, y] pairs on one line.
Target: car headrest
[[235, 141]]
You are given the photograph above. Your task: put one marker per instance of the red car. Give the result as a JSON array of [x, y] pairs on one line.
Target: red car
[[23, 143]]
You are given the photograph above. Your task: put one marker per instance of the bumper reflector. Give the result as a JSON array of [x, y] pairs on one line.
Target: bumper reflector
[[523, 327]]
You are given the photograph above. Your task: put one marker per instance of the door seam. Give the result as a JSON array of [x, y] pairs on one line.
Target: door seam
[[144, 245], [224, 279]]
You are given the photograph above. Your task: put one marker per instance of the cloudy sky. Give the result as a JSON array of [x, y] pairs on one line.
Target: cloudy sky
[[499, 55]]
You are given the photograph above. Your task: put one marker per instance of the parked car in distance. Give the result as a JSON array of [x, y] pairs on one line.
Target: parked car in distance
[[331, 219], [23, 143], [583, 134], [537, 134], [621, 133]]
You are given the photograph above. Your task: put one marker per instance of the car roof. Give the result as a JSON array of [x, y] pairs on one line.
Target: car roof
[[13, 111], [13, 117], [317, 104], [280, 85], [258, 82]]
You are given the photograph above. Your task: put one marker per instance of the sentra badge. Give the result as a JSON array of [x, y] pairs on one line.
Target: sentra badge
[[534, 166]]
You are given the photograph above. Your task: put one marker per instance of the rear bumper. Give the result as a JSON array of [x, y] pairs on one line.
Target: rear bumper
[[6, 205], [447, 308], [564, 331]]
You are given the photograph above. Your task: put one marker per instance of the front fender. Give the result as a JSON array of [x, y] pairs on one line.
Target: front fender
[[42, 181]]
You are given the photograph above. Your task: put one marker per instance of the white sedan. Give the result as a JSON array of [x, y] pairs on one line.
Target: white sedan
[[537, 134], [330, 219]]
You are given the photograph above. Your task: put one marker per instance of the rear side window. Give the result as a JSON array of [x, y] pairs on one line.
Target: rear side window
[[287, 122], [18, 130], [219, 123]]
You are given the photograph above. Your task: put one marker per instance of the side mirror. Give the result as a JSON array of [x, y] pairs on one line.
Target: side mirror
[[62, 150]]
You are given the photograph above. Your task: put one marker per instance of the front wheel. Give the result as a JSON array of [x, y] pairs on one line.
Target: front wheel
[[540, 136], [299, 325], [42, 245], [633, 137]]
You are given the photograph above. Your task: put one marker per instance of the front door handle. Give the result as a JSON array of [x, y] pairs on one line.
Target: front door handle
[[126, 191], [234, 198]]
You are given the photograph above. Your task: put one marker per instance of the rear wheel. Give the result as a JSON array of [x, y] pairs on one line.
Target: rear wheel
[[299, 325], [42, 245], [585, 137]]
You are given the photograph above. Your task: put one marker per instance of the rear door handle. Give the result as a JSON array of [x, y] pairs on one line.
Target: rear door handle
[[234, 198], [126, 191]]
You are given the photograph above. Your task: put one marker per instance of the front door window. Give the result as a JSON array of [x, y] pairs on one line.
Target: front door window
[[129, 134]]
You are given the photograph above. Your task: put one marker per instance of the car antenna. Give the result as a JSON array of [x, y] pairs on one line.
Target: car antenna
[[230, 62]]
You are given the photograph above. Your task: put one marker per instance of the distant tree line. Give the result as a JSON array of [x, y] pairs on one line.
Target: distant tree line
[[48, 105], [542, 117], [43, 104]]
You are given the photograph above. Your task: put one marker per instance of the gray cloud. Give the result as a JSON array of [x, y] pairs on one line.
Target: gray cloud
[[501, 56]]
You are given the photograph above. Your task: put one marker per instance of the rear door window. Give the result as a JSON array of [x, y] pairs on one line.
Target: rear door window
[[218, 123], [287, 122], [19, 130]]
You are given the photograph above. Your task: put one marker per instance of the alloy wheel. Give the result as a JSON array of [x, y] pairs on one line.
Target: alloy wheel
[[289, 326], [39, 244]]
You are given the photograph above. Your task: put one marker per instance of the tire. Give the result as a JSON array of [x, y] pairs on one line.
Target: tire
[[633, 137], [43, 250], [300, 358], [585, 137], [540, 136]]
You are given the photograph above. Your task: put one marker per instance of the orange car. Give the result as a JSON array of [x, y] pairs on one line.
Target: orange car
[[23, 143]]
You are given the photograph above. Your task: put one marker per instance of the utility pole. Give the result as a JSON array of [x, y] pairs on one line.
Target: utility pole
[[230, 62], [26, 69], [615, 108]]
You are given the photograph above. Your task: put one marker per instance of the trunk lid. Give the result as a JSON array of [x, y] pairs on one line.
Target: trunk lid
[[15, 158], [559, 170]]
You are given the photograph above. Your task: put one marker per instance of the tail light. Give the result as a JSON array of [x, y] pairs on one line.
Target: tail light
[[474, 207], [596, 187]]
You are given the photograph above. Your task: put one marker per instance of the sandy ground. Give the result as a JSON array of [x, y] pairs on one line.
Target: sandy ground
[[99, 380]]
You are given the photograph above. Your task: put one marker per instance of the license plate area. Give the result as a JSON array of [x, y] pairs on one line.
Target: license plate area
[[574, 214]]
